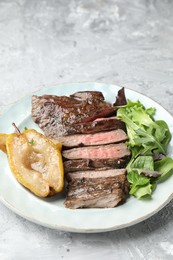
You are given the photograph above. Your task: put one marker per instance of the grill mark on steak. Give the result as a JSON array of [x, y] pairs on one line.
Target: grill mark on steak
[[111, 151], [109, 137], [54, 113], [98, 164], [96, 189]]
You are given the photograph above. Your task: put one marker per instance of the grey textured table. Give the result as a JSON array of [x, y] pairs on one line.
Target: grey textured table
[[43, 43]]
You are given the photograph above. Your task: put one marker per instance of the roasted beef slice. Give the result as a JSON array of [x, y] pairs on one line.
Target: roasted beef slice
[[114, 136], [55, 114], [96, 189], [98, 164], [110, 151]]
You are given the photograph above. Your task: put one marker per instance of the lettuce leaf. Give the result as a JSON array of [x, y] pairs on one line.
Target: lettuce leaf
[[146, 138], [142, 130], [164, 166]]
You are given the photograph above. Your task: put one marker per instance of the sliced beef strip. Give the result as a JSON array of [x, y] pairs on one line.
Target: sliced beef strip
[[102, 125], [96, 174], [105, 200], [99, 164], [54, 114], [111, 151], [95, 189], [114, 136]]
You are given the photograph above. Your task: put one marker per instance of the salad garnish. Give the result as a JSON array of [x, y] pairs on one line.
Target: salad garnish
[[148, 142]]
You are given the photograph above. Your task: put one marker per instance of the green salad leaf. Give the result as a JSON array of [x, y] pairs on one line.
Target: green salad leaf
[[164, 166], [147, 137]]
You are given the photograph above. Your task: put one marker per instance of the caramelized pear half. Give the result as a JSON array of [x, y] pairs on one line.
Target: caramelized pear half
[[35, 162]]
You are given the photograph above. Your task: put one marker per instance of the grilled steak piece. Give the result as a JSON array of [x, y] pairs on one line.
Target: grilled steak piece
[[110, 137], [96, 174], [96, 189], [110, 151], [54, 114], [98, 164], [98, 125]]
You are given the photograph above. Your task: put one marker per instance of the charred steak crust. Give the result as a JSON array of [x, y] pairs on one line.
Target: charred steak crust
[[105, 124], [54, 113]]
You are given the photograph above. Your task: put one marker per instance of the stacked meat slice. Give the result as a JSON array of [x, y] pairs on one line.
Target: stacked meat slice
[[94, 152], [98, 188]]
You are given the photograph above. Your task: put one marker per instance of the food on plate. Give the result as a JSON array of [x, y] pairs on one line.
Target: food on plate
[[55, 114], [98, 164], [94, 150], [96, 189], [96, 126], [110, 151], [109, 137], [86, 135], [107, 151], [35, 162], [148, 143]]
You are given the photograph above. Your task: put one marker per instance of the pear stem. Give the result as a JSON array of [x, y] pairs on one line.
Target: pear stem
[[16, 128]]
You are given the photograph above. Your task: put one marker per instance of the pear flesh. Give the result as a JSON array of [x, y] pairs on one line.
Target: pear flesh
[[36, 162]]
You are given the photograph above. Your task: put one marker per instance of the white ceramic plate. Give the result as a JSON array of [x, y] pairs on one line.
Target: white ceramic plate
[[51, 212]]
